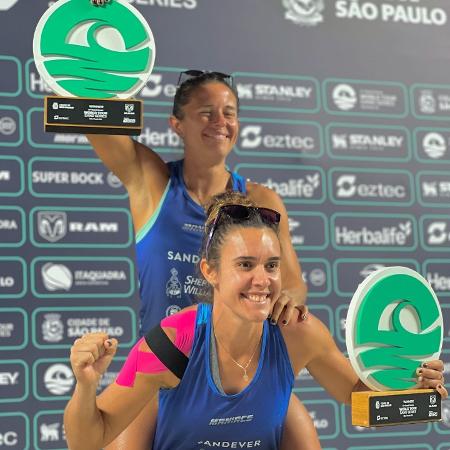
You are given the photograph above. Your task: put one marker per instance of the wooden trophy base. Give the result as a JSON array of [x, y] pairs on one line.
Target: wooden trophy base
[[373, 409]]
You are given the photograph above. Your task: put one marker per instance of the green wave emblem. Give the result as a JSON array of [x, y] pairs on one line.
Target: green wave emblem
[[395, 351], [88, 69]]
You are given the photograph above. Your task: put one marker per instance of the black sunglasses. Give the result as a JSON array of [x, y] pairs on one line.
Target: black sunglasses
[[240, 213], [193, 73]]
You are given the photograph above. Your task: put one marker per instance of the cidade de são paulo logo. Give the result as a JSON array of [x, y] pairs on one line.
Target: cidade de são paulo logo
[[52, 328], [304, 12], [412, 12]]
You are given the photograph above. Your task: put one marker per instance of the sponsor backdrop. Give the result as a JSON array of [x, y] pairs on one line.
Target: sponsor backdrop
[[345, 108]]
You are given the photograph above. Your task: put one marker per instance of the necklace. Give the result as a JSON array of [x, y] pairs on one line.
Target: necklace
[[245, 366]]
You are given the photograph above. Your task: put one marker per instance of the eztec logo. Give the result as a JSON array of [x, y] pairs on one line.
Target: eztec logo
[[252, 137], [437, 233], [155, 88], [349, 186]]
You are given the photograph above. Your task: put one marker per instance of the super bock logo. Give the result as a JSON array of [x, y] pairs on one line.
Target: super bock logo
[[304, 12], [394, 323], [84, 51]]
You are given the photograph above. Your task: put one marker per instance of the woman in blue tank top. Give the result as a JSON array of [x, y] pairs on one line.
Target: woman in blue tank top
[[234, 390], [165, 204]]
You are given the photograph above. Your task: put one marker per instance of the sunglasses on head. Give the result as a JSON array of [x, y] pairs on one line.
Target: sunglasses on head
[[193, 73], [241, 213]]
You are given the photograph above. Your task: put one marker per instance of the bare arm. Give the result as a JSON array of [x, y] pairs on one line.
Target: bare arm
[[320, 355], [92, 422], [143, 173], [330, 368]]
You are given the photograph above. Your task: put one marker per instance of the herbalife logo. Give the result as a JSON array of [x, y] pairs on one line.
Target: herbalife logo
[[439, 282], [304, 12], [394, 323], [434, 145], [344, 97], [83, 51], [7, 4], [301, 187], [385, 236]]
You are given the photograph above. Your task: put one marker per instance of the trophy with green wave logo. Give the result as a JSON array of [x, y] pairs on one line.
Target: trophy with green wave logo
[[394, 324], [95, 59]]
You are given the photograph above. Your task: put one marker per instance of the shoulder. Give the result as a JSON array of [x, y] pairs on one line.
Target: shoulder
[[263, 196], [180, 327], [314, 336]]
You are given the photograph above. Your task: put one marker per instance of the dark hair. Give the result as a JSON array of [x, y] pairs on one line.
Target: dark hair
[[226, 223], [185, 90]]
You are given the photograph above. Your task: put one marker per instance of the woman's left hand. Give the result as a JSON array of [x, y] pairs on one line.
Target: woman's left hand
[[285, 309], [431, 375]]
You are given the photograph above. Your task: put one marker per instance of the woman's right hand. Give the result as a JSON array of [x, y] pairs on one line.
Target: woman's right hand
[[90, 356]]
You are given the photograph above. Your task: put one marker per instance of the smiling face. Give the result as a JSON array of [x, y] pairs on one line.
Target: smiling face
[[209, 123], [247, 280]]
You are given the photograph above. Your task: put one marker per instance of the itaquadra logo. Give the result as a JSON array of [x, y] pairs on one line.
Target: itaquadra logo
[[394, 323], [86, 51]]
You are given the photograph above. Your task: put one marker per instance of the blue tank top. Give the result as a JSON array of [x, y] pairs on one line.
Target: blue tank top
[[167, 251], [196, 416]]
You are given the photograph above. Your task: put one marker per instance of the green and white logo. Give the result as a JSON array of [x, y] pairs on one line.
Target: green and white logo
[[394, 323], [86, 51]]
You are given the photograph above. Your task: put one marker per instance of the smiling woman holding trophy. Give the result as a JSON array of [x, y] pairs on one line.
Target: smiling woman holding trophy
[[223, 373], [164, 197]]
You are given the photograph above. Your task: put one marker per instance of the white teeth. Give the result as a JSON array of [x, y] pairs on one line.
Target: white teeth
[[257, 298]]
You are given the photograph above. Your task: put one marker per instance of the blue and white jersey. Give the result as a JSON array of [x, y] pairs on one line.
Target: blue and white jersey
[[197, 416], [168, 248]]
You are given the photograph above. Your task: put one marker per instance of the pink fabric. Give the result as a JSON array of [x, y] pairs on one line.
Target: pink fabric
[[139, 361], [184, 323]]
